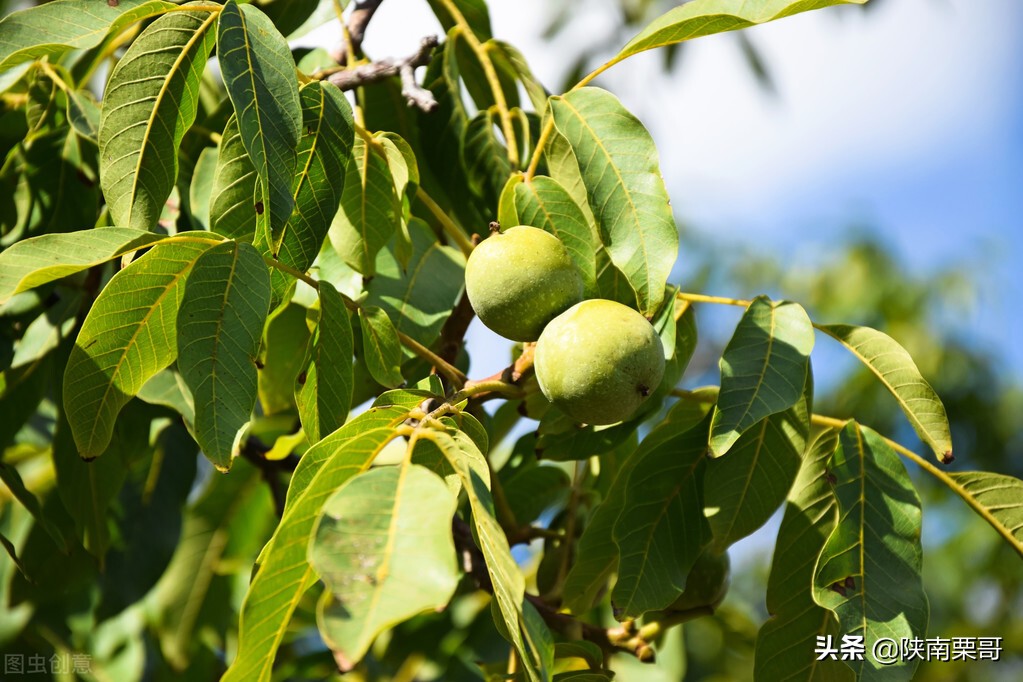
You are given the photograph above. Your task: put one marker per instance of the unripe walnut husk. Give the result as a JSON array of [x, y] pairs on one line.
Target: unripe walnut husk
[[598, 361], [520, 279]]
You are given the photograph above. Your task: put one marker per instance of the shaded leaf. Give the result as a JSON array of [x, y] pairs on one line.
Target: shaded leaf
[[383, 547], [782, 651], [323, 153], [232, 207], [281, 360], [486, 158], [370, 211], [55, 27], [150, 101], [219, 325], [868, 572], [259, 73], [381, 346], [193, 590], [283, 574], [763, 368], [419, 297], [474, 12], [325, 395], [742, 491], [895, 368], [597, 554], [618, 164], [128, 336], [12, 479], [661, 529]]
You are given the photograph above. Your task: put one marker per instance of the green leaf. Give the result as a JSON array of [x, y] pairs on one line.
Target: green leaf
[[505, 575], [128, 336], [194, 585], [325, 396], [440, 138], [543, 202], [868, 572], [323, 153], [55, 27], [220, 322], [281, 360], [284, 575], [474, 12], [381, 346], [742, 491], [535, 489], [12, 479], [60, 176], [383, 547], [370, 211], [998, 499], [708, 17], [419, 297], [783, 650], [259, 73], [509, 58], [84, 113], [200, 187], [597, 553], [167, 388], [150, 101], [890, 362], [763, 368], [618, 164], [232, 207], [34, 262], [661, 529], [485, 157]]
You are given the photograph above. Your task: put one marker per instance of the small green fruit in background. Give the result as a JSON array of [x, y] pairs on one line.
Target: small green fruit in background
[[598, 361], [520, 279], [707, 583]]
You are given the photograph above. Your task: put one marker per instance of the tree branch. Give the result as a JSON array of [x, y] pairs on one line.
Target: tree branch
[[625, 638], [372, 72]]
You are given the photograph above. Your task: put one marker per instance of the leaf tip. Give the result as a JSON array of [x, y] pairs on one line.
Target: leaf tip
[[947, 457]]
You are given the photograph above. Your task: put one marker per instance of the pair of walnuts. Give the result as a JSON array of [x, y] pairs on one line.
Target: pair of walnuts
[[597, 360]]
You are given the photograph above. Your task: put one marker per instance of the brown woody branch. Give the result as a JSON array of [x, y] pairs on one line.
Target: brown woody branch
[[372, 72], [357, 22]]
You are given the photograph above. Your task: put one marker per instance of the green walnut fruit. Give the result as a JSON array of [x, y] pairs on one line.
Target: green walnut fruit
[[706, 584], [520, 279], [598, 361]]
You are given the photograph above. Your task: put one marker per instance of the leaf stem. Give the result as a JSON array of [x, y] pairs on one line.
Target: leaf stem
[[721, 300], [475, 388], [449, 371], [495, 83], [942, 476], [451, 229], [297, 274]]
